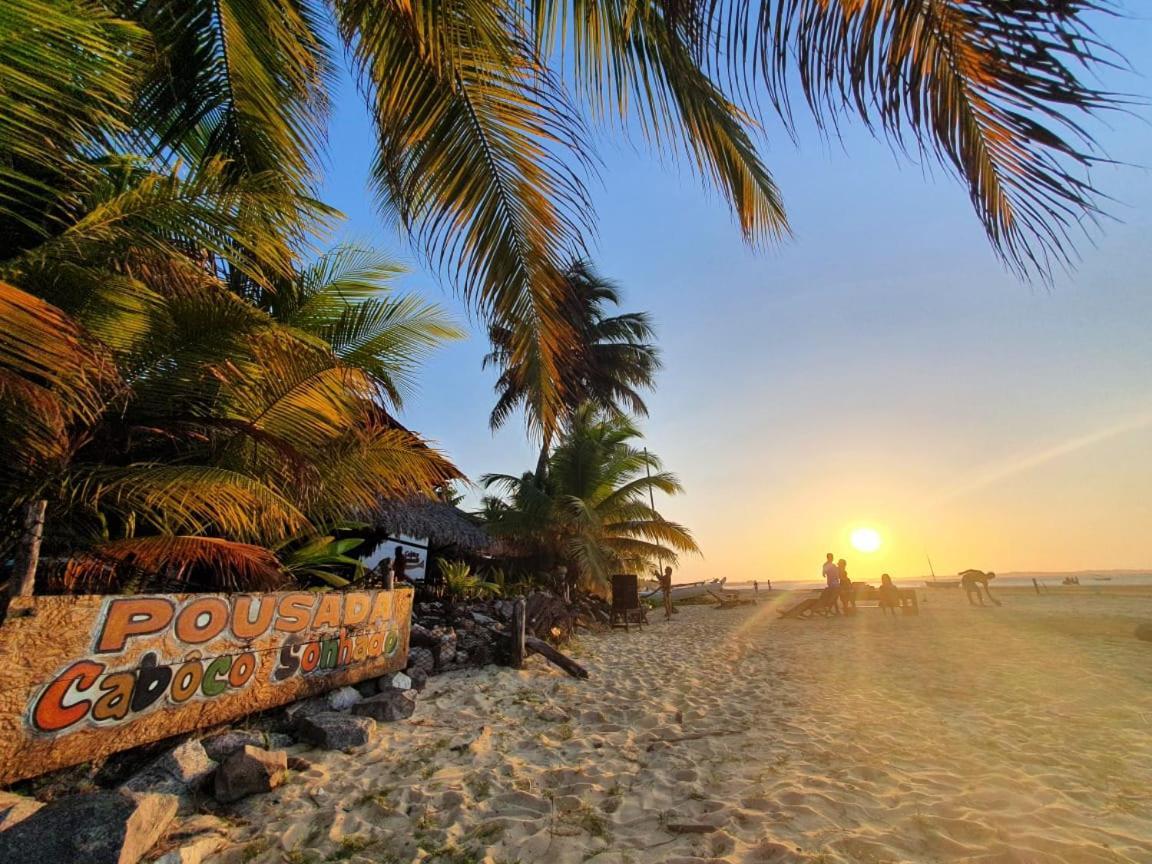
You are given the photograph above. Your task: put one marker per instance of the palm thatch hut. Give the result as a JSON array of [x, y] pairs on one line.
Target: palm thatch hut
[[424, 529]]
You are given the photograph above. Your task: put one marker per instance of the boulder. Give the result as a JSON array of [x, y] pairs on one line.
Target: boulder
[[16, 808], [393, 681], [388, 706], [367, 687], [305, 707], [181, 771], [250, 771], [97, 828], [419, 679], [223, 745], [1144, 631], [332, 730], [421, 660], [343, 698]]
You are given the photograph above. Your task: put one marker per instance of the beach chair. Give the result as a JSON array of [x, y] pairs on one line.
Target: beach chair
[[824, 604], [626, 606]]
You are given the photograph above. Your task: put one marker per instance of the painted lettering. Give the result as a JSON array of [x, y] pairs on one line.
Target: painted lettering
[[51, 713], [132, 616]]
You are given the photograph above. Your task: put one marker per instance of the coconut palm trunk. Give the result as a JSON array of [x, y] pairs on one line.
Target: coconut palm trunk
[[28, 551]]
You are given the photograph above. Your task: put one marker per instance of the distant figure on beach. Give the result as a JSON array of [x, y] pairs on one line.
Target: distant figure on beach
[[832, 582], [972, 581], [755, 591], [665, 580], [847, 593], [889, 595]]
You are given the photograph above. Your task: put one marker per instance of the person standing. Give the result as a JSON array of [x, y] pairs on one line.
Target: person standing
[[847, 592], [832, 581], [665, 580], [399, 565]]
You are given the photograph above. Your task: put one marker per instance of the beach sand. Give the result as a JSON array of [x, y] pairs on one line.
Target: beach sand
[[1012, 735]]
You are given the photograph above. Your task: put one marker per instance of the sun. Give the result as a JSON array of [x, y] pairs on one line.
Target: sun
[[866, 540]]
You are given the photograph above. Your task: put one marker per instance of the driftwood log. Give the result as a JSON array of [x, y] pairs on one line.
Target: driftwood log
[[555, 657]]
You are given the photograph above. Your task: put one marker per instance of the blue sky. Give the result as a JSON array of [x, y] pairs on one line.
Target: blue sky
[[880, 368]]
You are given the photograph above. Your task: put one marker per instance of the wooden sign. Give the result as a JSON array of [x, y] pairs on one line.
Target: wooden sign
[[83, 677]]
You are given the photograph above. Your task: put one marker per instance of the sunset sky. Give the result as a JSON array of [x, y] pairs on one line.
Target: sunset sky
[[881, 368]]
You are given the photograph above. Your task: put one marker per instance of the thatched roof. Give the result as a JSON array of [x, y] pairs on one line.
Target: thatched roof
[[442, 524]]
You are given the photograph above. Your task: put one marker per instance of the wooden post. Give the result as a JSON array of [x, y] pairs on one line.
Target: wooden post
[[1035, 585], [519, 618], [28, 552]]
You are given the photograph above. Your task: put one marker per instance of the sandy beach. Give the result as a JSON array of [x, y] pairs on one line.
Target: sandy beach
[[1012, 735]]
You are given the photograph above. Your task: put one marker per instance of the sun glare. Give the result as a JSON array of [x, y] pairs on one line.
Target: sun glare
[[866, 539]]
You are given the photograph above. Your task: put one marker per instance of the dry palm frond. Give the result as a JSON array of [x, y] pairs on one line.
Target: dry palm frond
[[174, 561], [52, 377]]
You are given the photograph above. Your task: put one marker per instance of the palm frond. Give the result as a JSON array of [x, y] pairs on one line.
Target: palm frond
[[995, 89], [478, 157], [242, 81], [176, 561]]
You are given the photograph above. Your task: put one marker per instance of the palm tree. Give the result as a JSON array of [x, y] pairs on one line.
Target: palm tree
[[166, 423], [592, 512], [611, 361], [480, 108]]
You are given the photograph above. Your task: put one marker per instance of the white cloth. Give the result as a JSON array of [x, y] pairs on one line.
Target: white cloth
[[832, 574]]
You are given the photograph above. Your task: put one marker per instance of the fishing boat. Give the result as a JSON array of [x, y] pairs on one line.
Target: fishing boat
[[939, 583], [690, 589], [1100, 578]]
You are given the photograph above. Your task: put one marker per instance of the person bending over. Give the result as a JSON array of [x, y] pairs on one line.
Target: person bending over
[[972, 581]]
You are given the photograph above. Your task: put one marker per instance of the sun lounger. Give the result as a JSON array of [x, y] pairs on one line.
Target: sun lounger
[[823, 604]]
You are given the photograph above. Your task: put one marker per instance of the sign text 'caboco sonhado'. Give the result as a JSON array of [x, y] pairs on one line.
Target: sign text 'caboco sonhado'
[[101, 674]]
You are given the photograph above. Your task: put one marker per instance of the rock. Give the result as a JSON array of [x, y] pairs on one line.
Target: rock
[[250, 771], [97, 828], [16, 808], [421, 660], [1144, 631], [298, 763], [278, 741], [419, 679], [389, 706], [367, 688], [332, 730], [194, 839], [304, 708], [182, 770], [393, 681], [193, 852], [220, 747], [343, 698]]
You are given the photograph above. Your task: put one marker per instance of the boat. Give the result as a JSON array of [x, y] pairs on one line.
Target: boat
[[939, 583], [689, 589], [1100, 578]]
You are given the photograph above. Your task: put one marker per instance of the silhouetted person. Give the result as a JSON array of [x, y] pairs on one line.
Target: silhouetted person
[[889, 595], [847, 593], [973, 580], [399, 565], [665, 580], [831, 592]]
